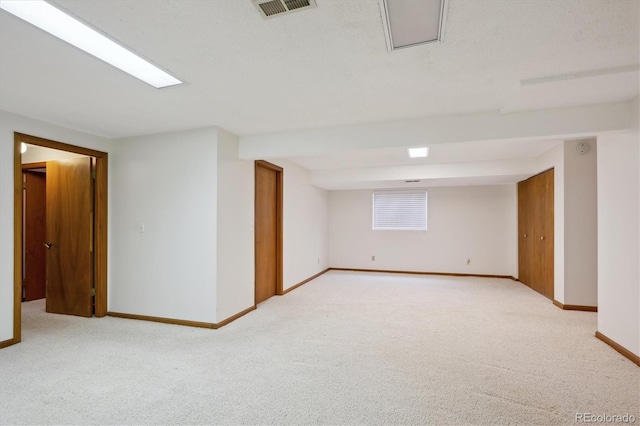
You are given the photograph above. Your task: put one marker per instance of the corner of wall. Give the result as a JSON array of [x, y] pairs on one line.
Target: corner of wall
[[167, 181], [619, 235], [235, 237], [306, 225], [580, 222]]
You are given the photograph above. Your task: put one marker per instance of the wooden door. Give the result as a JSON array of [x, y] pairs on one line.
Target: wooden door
[[35, 263], [525, 224], [536, 256], [268, 229], [546, 237], [70, 237], [535, 233]]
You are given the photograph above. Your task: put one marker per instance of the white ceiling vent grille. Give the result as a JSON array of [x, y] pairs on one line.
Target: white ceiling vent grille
[[271, 8]]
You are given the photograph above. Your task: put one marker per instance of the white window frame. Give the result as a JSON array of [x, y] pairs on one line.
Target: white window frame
[[414, 203]]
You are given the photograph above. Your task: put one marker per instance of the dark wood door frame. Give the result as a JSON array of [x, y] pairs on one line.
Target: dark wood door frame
[[101, 211], [279, 203]]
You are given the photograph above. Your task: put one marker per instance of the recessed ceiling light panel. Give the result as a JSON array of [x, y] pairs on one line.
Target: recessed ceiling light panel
[[410, 22], [418, 152], [54, 21]]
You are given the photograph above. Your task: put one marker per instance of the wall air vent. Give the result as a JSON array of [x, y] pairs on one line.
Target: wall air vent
[[271, 8]]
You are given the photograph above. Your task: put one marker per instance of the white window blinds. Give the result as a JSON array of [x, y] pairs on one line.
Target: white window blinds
[[401, 210]]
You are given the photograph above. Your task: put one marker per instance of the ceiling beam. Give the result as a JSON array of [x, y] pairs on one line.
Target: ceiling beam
[[559, 123], [503, 171]]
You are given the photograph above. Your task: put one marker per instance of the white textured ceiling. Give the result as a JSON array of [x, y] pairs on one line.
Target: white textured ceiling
[[325, 67]]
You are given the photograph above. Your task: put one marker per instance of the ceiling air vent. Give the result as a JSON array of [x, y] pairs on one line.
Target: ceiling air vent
[[271, 8]]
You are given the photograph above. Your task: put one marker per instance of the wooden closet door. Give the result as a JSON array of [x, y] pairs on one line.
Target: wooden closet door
[[535, 233], [525, 223], [546, 238], [537, 256]]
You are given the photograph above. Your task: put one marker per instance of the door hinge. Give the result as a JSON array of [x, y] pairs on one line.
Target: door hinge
[[93, 174], [24, 185], [93, 292]]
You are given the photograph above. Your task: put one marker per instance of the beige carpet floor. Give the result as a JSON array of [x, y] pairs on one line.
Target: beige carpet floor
[[346, 348]]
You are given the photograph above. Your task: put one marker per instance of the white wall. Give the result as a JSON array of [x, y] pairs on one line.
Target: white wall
[[10, 123], [306, 226], [168, 182], [195, 199], [575, 221], [477, 222], [619, 236], [235, 283], [580, 224]]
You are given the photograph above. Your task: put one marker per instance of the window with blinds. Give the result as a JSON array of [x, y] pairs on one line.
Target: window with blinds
[[400, 210]]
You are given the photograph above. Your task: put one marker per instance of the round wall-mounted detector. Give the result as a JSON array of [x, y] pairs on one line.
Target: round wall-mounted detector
[[582, 148]]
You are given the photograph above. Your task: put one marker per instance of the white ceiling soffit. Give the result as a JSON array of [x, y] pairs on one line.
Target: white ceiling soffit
[[273, 8], [484, 172], [451, 164], [425, 183], [410, 23], [438, 154]]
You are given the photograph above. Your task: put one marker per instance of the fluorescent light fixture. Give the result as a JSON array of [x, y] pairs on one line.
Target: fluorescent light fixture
[[23, 147], [418, 152], [410, 22], [52, 20]]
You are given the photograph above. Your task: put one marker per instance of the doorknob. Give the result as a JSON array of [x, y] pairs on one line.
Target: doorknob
[[525, 235], [48, 245], [541, 237]]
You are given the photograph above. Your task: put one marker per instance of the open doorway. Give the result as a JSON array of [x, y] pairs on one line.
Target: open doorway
[[74, 248], [34, 230]]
